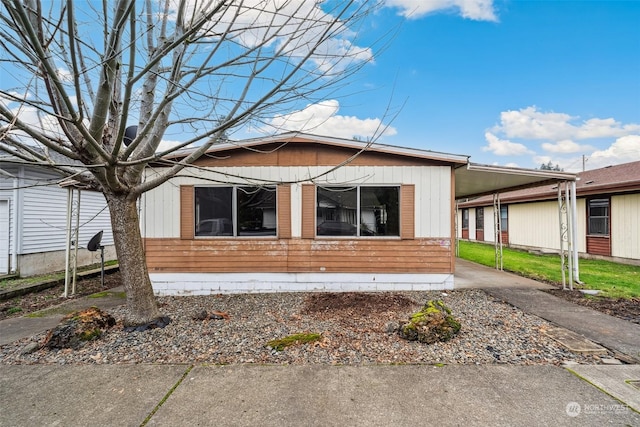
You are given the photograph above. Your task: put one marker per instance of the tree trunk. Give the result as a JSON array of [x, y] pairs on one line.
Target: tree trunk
[[141, 302]]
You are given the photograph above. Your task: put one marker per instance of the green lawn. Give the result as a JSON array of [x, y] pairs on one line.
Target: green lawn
[[614, 280]]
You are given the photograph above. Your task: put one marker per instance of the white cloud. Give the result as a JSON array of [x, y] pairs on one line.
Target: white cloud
[[565, 146], [623, 150], [292, 27], [502, 147], [479, 10], [529, 123], [323, 119]]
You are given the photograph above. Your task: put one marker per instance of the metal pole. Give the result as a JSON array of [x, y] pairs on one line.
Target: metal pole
[[567, 212], [574, 235], [68, 248], [560, 222], [75, 250]]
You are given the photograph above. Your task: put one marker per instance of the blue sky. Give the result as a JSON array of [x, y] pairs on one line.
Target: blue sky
[[514, 83]]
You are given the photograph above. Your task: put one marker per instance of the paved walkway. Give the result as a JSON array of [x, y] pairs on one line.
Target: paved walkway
[[246, 395]]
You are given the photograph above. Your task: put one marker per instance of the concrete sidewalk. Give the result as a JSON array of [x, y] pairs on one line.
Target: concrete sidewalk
[[249, 395]]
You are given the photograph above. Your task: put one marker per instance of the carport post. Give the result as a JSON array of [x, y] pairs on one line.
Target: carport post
[[497, 226], [574, 234]]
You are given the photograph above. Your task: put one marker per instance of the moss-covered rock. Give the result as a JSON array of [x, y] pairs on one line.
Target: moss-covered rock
[[433, 323], [79, 327]]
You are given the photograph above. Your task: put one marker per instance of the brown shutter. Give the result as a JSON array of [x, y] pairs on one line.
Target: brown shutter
[[308, 211], [187, 216], [407, 211], [284, 211]]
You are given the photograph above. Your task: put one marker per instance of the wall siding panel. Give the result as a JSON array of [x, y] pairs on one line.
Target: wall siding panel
[[625, 226], [299, 255], [161, 206]]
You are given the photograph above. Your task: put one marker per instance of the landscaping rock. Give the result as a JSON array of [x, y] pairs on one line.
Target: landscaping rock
[[79, 327], [433, 323]]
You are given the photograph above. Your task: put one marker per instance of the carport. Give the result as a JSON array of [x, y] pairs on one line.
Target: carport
[[474, 180]]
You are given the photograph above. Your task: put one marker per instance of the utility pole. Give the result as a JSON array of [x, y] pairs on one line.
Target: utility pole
[[584, 162]]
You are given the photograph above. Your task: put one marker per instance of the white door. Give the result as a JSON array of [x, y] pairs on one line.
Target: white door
[[4, 237]]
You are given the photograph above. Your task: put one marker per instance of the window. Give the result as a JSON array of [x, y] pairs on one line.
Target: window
[[235, 211], [465, 219], [479, 218], [358, 211], [504, 218], [598, 214]]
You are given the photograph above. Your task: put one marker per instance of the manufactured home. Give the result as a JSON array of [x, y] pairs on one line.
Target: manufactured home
[[607, 219], [303, 212]]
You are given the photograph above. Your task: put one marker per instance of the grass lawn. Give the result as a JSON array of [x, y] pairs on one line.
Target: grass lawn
[[614, 280]]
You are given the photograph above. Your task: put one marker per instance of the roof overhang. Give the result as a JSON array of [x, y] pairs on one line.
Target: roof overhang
[[475, 180]]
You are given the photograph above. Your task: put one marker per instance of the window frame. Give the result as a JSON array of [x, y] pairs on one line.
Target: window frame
[[465, 218], [358, 214], [480, 219], [504, 219], [234, 212], [607, 217]]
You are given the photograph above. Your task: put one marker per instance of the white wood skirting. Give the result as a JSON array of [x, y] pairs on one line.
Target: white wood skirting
[[228, 283]]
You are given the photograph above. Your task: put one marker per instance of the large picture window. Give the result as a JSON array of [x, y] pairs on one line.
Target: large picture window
[[358, 211], [235, 211], [598, 213]]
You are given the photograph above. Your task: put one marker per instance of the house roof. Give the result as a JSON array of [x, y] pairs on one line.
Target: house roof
[[300, 138], [472, 179], [608, 180]]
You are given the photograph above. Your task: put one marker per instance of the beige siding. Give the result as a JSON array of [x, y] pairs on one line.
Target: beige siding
[[489, 226], [625, 226], [534, 224], [537, 225], [161, 206]]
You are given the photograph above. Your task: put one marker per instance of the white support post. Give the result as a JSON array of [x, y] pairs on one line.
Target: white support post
[[71, 256], [562, 233], [574, 234], [497, 226], [455, 230], [67, 254], [76, 232], [569, 223]]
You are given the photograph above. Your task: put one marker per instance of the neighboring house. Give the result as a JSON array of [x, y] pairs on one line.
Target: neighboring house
[[33, 221], [345, 215], [608, 218]]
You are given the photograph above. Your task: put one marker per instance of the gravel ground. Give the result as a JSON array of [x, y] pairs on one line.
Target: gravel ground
[[355, 328]]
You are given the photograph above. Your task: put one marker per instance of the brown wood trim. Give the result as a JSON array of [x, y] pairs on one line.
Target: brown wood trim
[[308, 211], [299, 255], [599, 245], [187, 217], [465, 233], [310, 154], [480, 235], [284, 211], [407, 211]]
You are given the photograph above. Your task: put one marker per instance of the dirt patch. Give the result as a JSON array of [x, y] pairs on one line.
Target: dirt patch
[[357, 304], [627, 309], [25, 304]]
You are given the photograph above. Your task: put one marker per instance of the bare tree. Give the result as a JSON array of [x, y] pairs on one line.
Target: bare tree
[[84, 72]]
